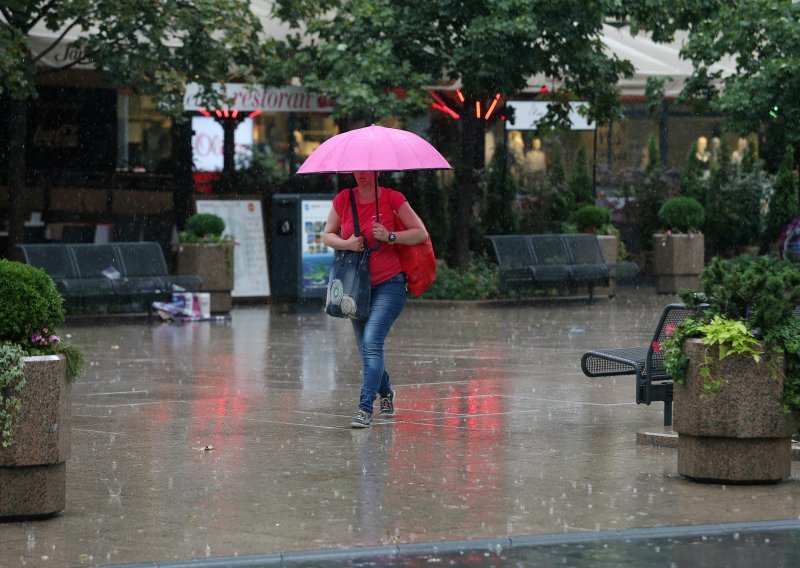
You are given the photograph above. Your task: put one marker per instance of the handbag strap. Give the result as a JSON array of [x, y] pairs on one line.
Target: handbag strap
[[356, 228]]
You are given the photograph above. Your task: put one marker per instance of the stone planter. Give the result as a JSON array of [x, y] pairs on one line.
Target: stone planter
[[33, 470], [677, 261], [739, 434], [214, 264], [609, 245]]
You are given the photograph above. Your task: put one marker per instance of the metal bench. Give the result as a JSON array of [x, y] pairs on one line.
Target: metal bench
[[108, 272], [646, 362], [550, 261]]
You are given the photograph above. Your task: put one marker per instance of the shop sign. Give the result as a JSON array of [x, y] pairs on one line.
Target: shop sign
[[527, 115], [245, 98]]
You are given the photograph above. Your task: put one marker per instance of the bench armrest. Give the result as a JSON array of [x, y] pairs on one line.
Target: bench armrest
[[614, 362]]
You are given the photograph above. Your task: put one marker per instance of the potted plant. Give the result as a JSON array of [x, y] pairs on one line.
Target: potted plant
[[204, 251], [736, 368], [679, 249], [597, 220], [36, 370]]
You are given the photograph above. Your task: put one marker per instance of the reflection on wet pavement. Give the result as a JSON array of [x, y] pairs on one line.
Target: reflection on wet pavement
[[208, 440]]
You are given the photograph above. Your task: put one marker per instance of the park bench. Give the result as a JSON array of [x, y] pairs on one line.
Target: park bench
[[646, 362], [550, 261], [108, 272]]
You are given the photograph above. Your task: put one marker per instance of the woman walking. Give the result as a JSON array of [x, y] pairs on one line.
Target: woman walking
[[387, 281]]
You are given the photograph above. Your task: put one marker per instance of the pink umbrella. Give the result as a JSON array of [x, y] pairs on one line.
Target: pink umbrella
[[373, 148]]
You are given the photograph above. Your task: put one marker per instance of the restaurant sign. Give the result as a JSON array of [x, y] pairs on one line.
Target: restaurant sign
[[245, 98]]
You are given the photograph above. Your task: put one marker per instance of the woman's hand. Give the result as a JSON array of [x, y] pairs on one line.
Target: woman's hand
[[354, 243], [380, 232]]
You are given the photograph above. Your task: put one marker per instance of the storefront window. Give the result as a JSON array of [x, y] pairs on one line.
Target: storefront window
[[144, 135]]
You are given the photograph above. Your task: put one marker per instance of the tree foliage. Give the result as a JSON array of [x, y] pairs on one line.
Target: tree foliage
[[760, 37], [153, 47]]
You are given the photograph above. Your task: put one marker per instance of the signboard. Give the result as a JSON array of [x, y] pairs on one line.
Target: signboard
[[266, 99], [316, 257], [527, 115], [207, 140], [243, 221]]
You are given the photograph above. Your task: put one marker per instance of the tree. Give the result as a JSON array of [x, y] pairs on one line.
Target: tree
[[763, 39], [501, 189], [155, 48], [581, 185], [374, 58]]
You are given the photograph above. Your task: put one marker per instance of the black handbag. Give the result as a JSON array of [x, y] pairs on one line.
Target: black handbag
[[348, 282]]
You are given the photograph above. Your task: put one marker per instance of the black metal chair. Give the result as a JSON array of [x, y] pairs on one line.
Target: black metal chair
[[646, 362]]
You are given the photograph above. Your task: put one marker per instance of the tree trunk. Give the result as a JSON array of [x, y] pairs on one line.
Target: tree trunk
[[472, 131], [17, 173]]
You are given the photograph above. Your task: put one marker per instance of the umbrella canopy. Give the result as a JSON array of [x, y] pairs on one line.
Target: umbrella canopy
[[374, 148]]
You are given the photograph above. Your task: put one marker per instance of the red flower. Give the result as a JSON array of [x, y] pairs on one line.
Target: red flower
[[656, 347], [669, 329]]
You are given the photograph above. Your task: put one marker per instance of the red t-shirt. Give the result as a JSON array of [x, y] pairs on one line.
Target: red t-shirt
[[384, 263]]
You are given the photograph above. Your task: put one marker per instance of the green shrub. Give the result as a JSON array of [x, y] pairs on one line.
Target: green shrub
[[479, 282], [203, 228], [682, 215], [29, 303], [591, 218]]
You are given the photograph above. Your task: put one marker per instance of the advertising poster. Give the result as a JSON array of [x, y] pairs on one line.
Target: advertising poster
[[244, 222], [316, 256]]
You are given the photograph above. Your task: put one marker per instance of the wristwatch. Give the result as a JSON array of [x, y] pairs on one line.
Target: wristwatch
[[391, 238]]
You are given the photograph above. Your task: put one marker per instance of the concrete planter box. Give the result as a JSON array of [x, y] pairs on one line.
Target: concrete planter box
[[33, 472], [609, 245], [214, 264], [740, 434], [677, 261]]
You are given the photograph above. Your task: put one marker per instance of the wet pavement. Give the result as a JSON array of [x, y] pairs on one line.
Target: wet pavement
[[226, 442]]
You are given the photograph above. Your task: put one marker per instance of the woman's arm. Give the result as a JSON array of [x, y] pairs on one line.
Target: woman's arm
[[414, 233], [330, 235]]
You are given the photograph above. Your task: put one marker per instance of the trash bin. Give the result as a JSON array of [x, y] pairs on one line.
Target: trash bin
[[300, 260]]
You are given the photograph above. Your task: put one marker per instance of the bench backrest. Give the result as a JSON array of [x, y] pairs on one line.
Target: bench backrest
[[672, 315], [512, 251], [54, 259], [584, 248], [93, 259], [142, 259], [549, 250]]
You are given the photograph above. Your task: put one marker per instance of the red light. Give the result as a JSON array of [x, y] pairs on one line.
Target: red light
[[204, 112], [218, 113], [225, 113], [544, 90], [446, 110], [460, 95], [254, 113], [477, 109], [235, 113], [492, 106]]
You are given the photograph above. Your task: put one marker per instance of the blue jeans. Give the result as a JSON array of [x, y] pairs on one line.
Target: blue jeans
[[386, 303]]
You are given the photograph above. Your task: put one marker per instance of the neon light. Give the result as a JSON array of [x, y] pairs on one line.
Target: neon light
[[492, 106], [438, 99], [460, 95], [218, 113], [446, 110], [204, 112], [254, 113], [235, 113], [477, 109], [225, 113]]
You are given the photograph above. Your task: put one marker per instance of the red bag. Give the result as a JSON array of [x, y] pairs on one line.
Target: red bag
[[418, 262]]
